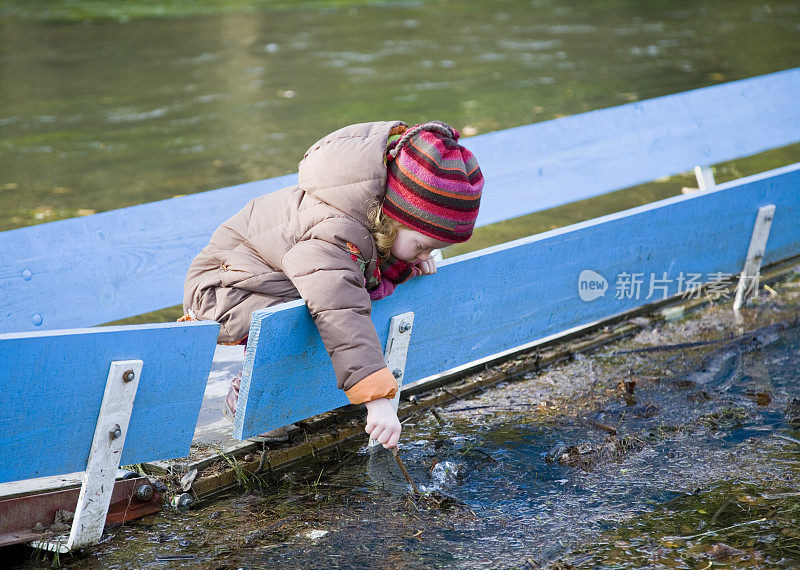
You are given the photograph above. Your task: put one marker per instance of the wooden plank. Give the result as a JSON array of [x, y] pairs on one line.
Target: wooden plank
[[705, 177], [548, 164], [136, 258], [516, 293], [44, 484], [53, 385]]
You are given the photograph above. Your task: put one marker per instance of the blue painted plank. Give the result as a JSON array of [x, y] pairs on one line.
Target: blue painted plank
[[93, 270], [540, 166], [483, 303], [53, 382], [136, 258]]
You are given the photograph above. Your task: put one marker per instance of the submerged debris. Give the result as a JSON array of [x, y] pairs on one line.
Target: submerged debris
[[586, 455], [728, 418], [555, 452], [793, 413], [721, 550], [62, 522], [433, 500]]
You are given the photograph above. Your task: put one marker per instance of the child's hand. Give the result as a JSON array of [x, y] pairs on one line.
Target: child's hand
[[427, 267], [382, 422]]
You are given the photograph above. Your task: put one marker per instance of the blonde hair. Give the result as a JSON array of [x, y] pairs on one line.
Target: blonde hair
[[383, 229]]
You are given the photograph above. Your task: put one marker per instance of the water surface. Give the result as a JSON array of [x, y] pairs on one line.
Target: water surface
[[104, 105]]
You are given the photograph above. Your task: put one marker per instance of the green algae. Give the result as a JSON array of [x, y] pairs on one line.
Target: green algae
[[735, 524]]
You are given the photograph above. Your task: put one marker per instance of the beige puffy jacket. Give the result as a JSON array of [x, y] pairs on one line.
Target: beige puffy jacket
[[297, 242]]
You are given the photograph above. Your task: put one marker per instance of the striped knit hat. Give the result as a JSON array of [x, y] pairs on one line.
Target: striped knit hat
[[433, 184]]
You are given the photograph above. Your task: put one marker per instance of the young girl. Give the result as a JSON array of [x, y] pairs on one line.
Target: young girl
[[373, 201]]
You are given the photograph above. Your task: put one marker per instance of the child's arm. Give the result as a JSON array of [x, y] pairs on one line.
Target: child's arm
[[332, 285], [382, 422]]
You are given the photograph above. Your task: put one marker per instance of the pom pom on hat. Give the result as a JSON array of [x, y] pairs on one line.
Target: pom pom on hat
[[433, 184]]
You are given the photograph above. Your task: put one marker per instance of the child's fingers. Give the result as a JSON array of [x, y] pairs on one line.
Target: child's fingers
[[392, 440], [385, 436], [428, 267], [392, 436], [377, 432]]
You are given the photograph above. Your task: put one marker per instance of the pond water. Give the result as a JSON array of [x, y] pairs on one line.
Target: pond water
[[625, 458], [110, 104]]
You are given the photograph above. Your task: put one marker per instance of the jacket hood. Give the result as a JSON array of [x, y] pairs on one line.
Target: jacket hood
[[346, 169]]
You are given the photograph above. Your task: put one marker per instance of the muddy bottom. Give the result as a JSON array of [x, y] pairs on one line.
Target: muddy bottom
[[678, 447]]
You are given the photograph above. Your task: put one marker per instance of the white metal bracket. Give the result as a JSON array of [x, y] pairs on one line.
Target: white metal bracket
[[396, 352], [749, 277], [705, 177], [104, 457]]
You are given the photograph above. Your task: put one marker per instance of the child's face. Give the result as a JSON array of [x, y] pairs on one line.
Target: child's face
[[413, 247]]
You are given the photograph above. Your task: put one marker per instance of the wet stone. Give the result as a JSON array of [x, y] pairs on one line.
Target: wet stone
[[700, 396], [793, 413]]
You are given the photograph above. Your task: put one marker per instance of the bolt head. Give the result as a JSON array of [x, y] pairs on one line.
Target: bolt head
[[128, 376], [404, 326], [144, 492], [115, 433], [397, 373]]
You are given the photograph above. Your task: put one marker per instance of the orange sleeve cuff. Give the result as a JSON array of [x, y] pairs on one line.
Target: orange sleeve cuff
[[380, 384]]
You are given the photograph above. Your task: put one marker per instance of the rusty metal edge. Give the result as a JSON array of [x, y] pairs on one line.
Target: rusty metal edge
[[19, 515]]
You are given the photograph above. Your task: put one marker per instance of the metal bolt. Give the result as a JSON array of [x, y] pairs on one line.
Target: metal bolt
[[405, 326], [144, 492], [397, 373], [128, 376], [116, 432]]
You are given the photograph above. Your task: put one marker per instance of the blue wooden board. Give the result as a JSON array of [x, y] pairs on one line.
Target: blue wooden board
[[548, 164], [53, 382], [483, 303], [93, 270], [134, 260]]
